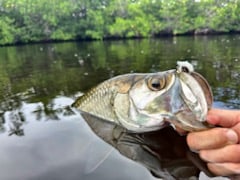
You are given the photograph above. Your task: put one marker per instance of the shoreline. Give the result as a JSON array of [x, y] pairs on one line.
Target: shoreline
[[163, 34]]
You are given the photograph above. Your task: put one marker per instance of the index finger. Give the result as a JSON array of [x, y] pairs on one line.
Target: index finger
[[211, 139], [223, 117]]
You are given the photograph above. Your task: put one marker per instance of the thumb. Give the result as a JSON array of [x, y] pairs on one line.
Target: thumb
[[223, 117]]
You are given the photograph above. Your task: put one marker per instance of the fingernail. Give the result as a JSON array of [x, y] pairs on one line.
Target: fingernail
[[232, 136], [194, 150]]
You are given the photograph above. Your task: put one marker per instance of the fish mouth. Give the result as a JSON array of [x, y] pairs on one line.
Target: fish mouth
[[186, 129], [183, 126], [199, 88], [196, 99]]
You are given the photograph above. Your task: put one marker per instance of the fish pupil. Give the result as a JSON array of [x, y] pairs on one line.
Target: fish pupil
[[156, 85]]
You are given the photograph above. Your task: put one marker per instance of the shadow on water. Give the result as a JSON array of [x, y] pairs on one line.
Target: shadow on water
[[42, 138], [163, 152]]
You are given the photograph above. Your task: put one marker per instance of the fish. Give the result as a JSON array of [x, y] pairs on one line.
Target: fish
[[145, 102]]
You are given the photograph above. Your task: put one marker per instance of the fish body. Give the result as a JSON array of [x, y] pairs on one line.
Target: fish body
[[142, 102]]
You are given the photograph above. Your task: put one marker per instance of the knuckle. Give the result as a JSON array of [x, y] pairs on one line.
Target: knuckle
[[191, 140], [237, 152]]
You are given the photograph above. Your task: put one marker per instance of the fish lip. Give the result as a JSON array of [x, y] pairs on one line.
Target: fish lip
[[196, 93], [183, 123], [183, 128]]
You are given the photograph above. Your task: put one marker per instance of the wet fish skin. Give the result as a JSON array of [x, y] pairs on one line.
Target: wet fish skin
[[104, 100], [140, 104], [99, 100]]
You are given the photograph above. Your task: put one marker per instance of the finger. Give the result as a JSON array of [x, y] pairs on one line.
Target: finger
[[211, 139], [230, 153], [236, 128], [224, 169], [225, 118]]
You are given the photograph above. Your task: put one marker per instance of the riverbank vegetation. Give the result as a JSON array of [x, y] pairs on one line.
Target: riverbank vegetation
[[23, 21]]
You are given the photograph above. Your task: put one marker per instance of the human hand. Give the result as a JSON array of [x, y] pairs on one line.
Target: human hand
[[219, 146]]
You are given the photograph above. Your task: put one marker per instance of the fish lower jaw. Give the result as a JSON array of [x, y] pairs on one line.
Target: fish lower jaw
[[185, 124]]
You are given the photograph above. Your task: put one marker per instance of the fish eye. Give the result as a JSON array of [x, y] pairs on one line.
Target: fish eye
[[185, 69], [156, 84]]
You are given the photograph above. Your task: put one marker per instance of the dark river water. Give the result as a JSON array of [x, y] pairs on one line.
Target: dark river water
[[42, 138]]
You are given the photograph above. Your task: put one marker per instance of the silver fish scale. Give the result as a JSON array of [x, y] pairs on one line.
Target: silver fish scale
[[99, 101], [126, 100]]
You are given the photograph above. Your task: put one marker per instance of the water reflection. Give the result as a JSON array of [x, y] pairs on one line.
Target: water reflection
[[13, 119], [69, 67], [163, 152], [53, 149]]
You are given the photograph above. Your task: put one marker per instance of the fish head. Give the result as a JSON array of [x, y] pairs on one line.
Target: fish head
[[179, 98]]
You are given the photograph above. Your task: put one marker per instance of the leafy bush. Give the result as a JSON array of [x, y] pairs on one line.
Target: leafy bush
[[23, 21]]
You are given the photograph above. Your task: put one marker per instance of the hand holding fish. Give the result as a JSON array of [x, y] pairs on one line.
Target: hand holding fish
[[146, 102], [219, 146]]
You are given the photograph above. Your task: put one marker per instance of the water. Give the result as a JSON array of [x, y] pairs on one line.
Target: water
[[41, 138]]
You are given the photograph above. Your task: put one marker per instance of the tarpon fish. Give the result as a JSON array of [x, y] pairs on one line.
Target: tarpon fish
[[143, 102]]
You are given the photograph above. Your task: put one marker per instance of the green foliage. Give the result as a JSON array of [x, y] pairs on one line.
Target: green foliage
[[6, 30], [23, 21]]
